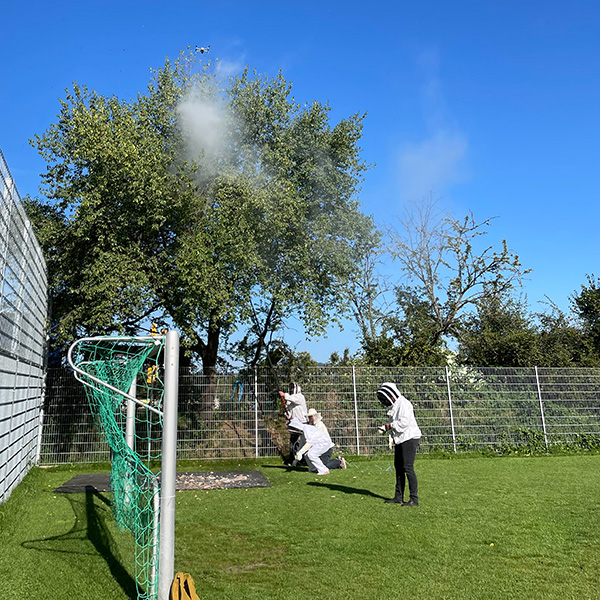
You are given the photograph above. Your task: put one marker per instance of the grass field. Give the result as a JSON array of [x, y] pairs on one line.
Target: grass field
[[487, 528]]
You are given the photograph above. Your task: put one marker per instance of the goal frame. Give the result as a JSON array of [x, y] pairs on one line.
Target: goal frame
[[161, 586]]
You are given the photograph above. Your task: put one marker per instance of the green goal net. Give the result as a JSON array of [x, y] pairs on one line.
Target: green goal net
[[124, 383]]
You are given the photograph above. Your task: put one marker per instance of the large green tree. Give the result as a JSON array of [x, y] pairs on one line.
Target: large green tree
[[214, 235], [112, 184]]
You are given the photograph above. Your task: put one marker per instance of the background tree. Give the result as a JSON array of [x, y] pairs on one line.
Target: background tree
[[586, 305], [262, 225], [563, 340], [451, 270], [112, 183], [501, 333]]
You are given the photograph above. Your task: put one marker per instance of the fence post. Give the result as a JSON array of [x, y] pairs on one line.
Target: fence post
[[355, 410], [256, 412], [539, 390], [450, 407]]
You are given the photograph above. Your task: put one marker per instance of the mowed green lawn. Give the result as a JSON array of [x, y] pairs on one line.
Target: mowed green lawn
[[487, 528]]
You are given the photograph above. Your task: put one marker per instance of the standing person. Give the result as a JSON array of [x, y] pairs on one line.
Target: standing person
[[406, 435], [295, 408]]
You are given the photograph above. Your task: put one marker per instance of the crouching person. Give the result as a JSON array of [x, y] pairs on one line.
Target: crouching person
[[316, 448]]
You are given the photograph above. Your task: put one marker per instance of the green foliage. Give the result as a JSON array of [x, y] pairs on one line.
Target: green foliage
[[112, 184], [563, 342], [240, 231], [500, 333], [586, 306], [408, 334], [523, 441], [347, 359], [452, 270], [449, 271]]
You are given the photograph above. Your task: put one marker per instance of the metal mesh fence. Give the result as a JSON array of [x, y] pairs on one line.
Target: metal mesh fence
[[457, 409], [23, 312]]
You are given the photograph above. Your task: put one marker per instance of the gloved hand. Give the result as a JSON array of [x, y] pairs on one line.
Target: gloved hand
[[302, 451], [384, 428]]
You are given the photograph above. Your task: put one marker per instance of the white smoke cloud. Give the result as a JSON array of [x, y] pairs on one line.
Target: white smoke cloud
[[433, 165], [205, 128], [228, 68]]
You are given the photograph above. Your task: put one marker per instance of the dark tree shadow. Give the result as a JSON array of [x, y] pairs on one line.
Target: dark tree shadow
[[89, 526], [344, 489]]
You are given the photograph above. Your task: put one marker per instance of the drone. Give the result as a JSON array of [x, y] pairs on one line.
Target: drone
[[203, 49]]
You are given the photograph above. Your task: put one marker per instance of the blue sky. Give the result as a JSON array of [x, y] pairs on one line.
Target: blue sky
[[492, 107]]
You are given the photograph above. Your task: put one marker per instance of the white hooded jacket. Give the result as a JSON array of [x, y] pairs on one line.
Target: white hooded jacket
[[403, 425], [296, 404], [318, 441], [318, 422]]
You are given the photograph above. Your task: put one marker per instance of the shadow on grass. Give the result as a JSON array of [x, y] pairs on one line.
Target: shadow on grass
[[89, 527], [286, 468], [344, 489]]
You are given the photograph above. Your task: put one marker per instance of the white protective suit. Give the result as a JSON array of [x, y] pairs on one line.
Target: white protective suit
[[403, 425], [318, 420], [296, 403], [317, 442]]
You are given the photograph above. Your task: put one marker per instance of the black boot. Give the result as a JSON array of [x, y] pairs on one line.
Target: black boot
[[394, 500], [411, 503]]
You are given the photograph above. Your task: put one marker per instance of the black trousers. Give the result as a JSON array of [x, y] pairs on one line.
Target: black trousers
[[294, 437], [404, 463], [330, 463]]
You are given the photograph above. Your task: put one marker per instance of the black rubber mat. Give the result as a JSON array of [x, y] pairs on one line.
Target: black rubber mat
[[212, 480]]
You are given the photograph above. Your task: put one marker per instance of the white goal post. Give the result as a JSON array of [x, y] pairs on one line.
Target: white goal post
[[162, 574]]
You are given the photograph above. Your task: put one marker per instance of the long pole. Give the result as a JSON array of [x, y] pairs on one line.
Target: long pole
[[166, 560]]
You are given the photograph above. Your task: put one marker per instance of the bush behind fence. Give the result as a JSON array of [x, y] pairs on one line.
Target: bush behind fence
[[458, 409]]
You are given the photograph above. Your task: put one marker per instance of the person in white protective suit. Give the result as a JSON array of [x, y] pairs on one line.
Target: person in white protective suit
[[315, 418], [295, 403], [405, 433], [316, 446], [295, 408]]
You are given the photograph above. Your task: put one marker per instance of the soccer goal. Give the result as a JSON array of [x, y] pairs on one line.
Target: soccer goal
[[132, 384]]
